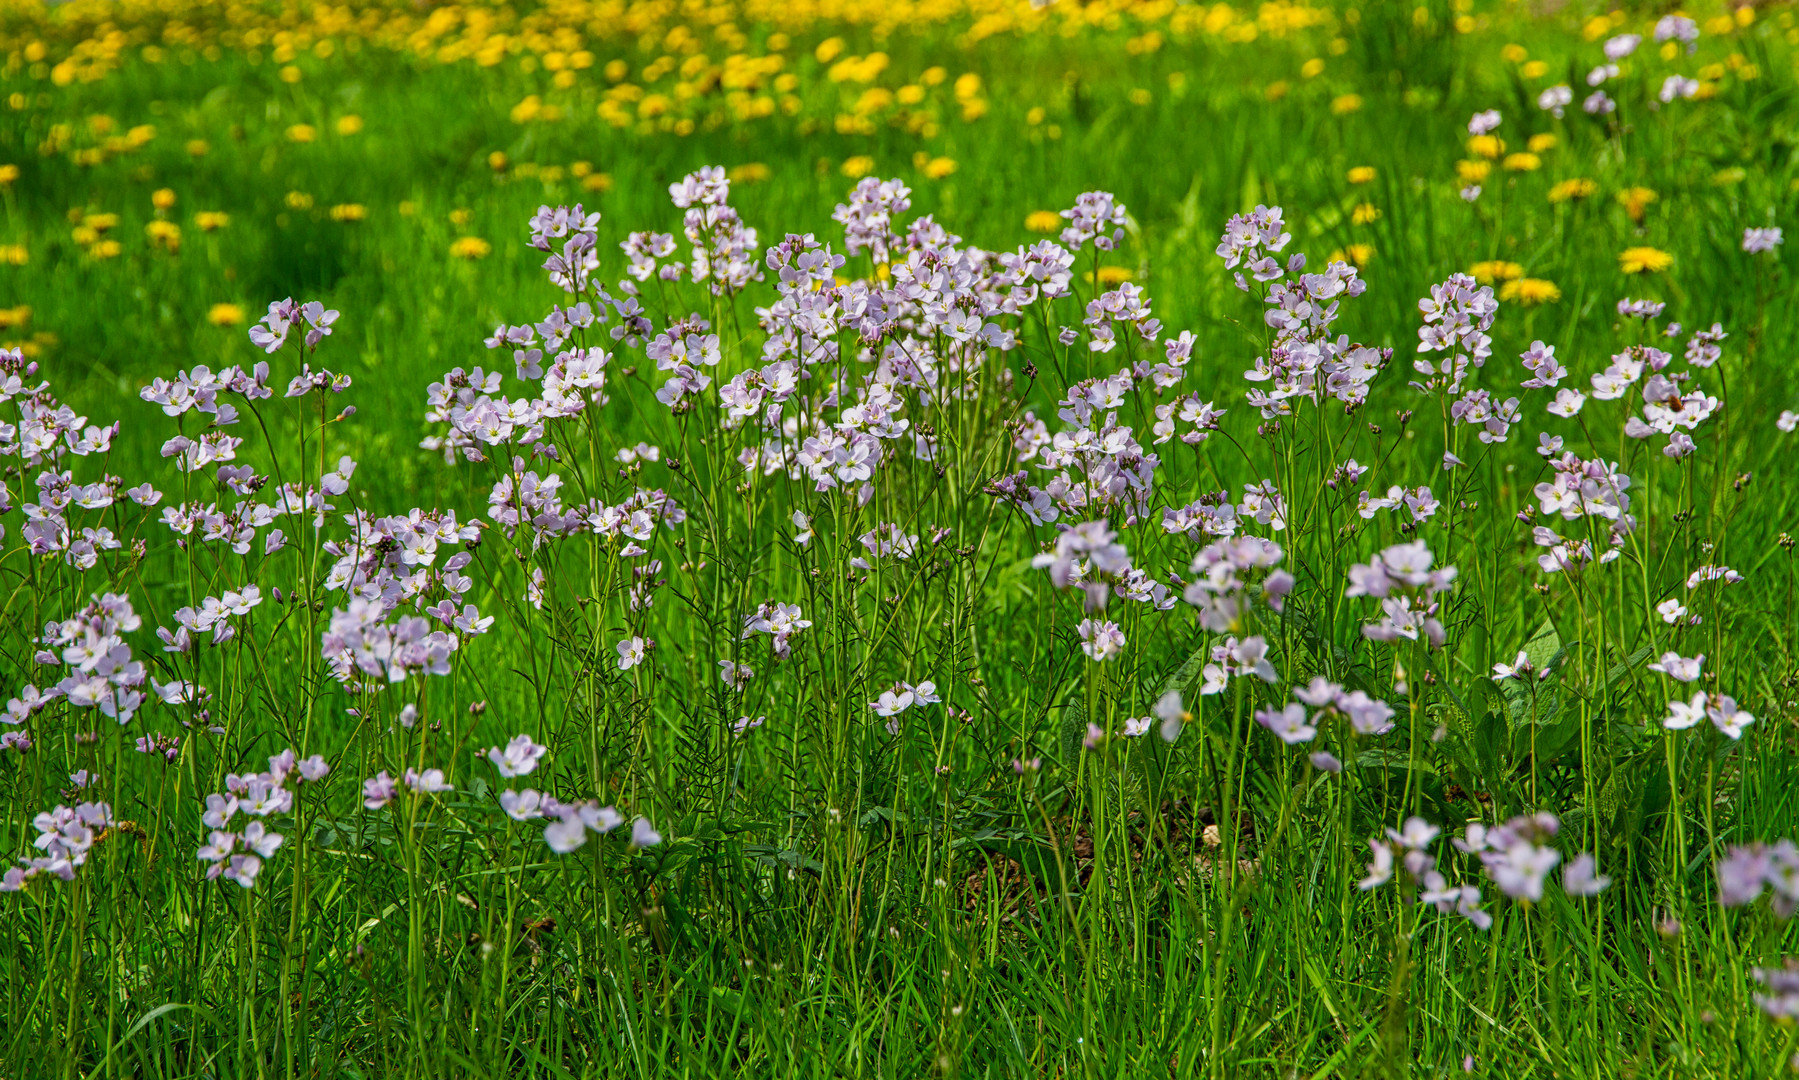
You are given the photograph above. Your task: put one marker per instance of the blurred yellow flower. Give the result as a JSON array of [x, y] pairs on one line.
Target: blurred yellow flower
[[1644, 260], [1534, 69], [208, 220], [102, 222], [859, 166], [106, 249], [302, 133], [225, 315], [1487, 146], [1276, 90], [1635, 200], [349, 212], [299, 200], [1472, 171], [290, 74], [349, 125], [909, 94], [1346, 104], [828, 50], [750, 173], [1541, 142], [1577, 188], [967, 85], [1043, 221], [1364, 213], [597, 182], [1361, 174], [162, 198], [497, 161], [1522, 163], [933, 76], [164, 234], [1514, 54], [939, 167], [1495, 270], [14, 254], [198, 147], [1355, 254], [8, 173], [470, 247], [1530, 291], [1312, 68], [460, 216], [1140, 96], [14, 317], [1113, 275]]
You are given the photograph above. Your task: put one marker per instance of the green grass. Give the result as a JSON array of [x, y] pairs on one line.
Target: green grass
[[829, 898]]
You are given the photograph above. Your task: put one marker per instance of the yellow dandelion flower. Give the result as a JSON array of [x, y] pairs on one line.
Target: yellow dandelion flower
[[1276, 90], [909, 94], [1537, 144], [461, 216], [1529, 291], [349, 212], [1514, 54], [302, 133], [211, 220], [470, 247], [106, 249], [349, 125], [8, 173], [934, 76], [1140, 96], [597, 182], [859, 166], [1364, 213], [1487, 146], [162, 198], [164, 234], [1312, 68], [1644, 260], [1355, 254], [1522, 163], [749, 173], [1361, 174], [1043, 221], [102, 222], [1494, 270], [198, 147], [225, 315], [1534, 69], [497, 161], [1113, 275], [290, 74], [967, 86], [1472, 172], [14, 254], [14, 317], [940, 167], [299, 200], [1577, 188], [1345, 104], [1635, 200]]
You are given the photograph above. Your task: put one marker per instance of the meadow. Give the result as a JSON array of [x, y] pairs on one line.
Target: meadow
[[951, 538]]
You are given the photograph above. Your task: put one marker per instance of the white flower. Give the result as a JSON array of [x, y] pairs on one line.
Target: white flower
[[1683, 715], [518, 759], [630, 653]]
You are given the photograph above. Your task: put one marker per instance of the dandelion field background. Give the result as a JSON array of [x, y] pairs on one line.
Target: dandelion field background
[[922, 580]]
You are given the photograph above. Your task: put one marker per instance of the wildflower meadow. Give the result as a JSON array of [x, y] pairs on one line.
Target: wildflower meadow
[[964, 538]]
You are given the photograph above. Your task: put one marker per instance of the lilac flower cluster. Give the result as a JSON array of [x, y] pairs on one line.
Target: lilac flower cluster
[[1403, 579], [238, 855], [66, 836]]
